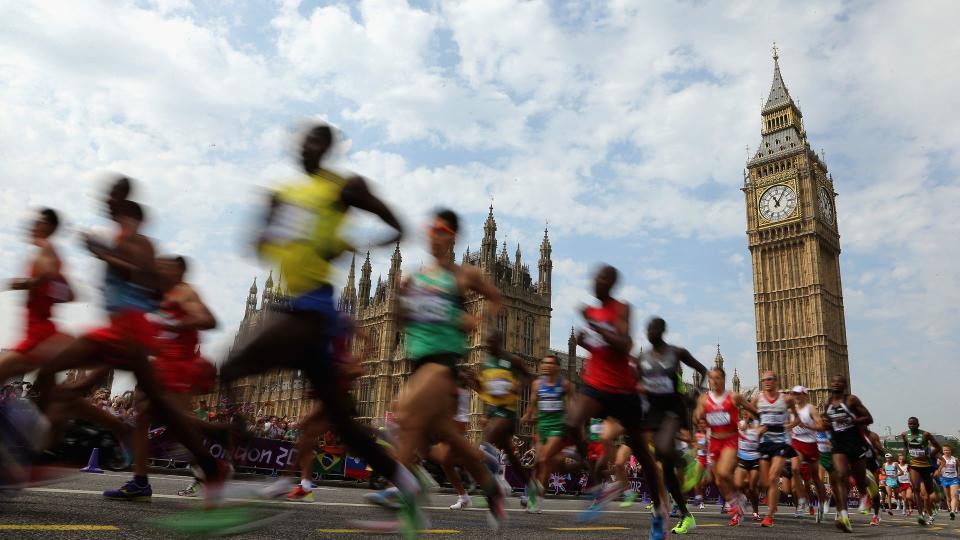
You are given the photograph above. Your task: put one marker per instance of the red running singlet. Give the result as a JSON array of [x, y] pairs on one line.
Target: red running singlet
[[607, 370], [721, 417], [40, 301]]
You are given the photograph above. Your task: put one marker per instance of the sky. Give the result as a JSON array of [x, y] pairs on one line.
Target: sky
[[624, 125]]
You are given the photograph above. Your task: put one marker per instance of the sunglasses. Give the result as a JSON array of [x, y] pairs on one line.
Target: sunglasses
[[438, 228]]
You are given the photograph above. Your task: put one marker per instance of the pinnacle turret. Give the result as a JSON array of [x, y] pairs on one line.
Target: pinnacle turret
[[363, 294]]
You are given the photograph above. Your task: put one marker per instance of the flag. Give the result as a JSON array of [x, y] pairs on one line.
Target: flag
[[329, 457], [356, 468]]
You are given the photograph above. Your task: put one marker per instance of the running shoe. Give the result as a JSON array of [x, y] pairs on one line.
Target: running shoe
[[388, 498], [767, 522], [875, 520], [756, 517], [649, 506], [130, 492], [462, 503], [498, 515], [702, 507], [192, 490], [603, 497], [843, 523], [734, 520], [410, 516], [656, 528], [687, 524], [953, 516], [300, 494], [628, 499], [534, 497]]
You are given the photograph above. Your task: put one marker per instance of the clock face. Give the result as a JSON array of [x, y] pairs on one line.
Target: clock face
[[778, 203], [826, 206]]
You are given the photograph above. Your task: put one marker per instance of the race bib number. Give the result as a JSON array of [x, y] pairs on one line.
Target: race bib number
[[289, 223], [918, 452], [592, 339], [659, 384], [773, 418], [596, 429], [498, 387], [551, 405], [426, 308], [718, 418]]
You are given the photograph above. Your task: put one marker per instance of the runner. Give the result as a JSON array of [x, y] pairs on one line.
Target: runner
[[845, 416], [825, 449], [302, 234], [891, 472], [501, 376], [805, 462], [548, 404], [659, 367], [719, 410], [131, 290], [905, 485], [435, 323], [179, 368], [747, 478], [703, 466], [609, 387], [874, 449], [775, 448], [462, 418], [45, 287], [947, 471], [918, 444]]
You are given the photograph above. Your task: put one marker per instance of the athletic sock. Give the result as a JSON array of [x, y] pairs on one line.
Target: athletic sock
[[306, 485]]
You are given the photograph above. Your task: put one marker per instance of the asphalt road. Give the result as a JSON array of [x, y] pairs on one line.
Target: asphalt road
[[74, 508]]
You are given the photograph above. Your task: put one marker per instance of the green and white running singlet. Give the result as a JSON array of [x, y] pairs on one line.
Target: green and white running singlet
[[551, 411], [433, 308]]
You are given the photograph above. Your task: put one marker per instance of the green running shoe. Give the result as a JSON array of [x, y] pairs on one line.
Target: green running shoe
[[629, 498], [687, 524]]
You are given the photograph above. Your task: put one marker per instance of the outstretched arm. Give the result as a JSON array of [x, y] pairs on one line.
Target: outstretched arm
[[357, 194], [684, 356]]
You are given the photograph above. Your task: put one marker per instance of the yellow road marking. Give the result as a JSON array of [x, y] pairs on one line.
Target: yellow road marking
[[34, 527], [589, 528], [367, 531], [709, 525]]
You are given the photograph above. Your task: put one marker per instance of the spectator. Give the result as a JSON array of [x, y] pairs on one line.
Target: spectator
[[202, 412]]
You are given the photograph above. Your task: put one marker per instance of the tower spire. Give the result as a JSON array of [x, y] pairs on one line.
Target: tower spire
[[363, 295], [779, 95]]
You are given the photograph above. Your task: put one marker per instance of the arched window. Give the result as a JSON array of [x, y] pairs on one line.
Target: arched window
[[527, 333], [502, 328]]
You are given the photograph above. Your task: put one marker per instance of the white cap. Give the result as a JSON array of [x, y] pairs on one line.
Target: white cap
[[799, 390], [888, 455]]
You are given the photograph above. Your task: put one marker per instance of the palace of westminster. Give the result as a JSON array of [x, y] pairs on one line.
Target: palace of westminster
[[794, 243]]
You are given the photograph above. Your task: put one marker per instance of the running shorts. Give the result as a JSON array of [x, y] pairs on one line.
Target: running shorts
[[769, 450], [626, 408], [551, 425], [947, 482], [748, 464], [924, 471], [717, 446], [37, 332], [125, 328], [702, 460], [663, 406], [195, 375], [850, 444], [892, 483], [496, 411], [595, 451], [826, 461], [449, 360], [904, 487], [805, 471], [806, 450]]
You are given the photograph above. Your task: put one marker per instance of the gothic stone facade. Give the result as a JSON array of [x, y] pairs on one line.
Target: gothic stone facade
[[795, 249]]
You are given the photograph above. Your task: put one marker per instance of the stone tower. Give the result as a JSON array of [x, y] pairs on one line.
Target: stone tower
[[795, 250]]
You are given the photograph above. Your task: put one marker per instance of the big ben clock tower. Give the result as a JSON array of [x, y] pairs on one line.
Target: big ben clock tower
[[795, 250]]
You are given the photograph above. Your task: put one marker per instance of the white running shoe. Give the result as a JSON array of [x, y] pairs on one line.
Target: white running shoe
[[462, 503]]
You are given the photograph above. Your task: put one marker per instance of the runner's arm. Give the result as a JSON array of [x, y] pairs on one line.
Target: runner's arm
[[684, 356], [532, 404], [198, 315], [818, 423], [356, 194], [862, 415], [932, 441], [698, 411]]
